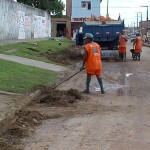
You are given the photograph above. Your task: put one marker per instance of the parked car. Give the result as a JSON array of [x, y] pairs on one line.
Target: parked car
[[132, 38]]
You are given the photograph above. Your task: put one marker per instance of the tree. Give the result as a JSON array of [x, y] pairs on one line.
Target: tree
[[52, 6]]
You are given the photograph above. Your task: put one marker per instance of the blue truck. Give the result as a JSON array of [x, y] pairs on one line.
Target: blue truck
[[106, 34]]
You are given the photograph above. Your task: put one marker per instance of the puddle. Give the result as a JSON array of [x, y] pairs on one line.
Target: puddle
[[128, 74], [97, 89], [111, 86], [113, 89]]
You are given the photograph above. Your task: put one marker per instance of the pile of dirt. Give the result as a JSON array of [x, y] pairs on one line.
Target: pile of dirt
[[29, 118], [67, 56], [24, 125], [58, 98]]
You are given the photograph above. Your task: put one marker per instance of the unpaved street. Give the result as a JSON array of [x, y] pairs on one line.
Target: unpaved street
[[117, 120]]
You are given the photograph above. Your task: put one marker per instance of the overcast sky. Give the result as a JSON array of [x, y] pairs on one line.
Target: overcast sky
[[127, 8]]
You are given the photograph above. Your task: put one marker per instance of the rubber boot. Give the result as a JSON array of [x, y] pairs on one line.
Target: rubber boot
[[88, 80], [135, 57], [124, 59], [101, 84], [139, 55]]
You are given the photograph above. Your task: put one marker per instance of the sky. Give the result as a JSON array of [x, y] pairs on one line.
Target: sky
[[127, 8]]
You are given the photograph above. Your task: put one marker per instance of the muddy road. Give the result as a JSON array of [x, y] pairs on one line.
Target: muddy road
[[117, 120]]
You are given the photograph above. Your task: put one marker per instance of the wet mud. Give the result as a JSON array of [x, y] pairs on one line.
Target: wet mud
[[32, 116]]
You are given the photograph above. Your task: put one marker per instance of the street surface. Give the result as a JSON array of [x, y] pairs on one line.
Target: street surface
[[117, 120]]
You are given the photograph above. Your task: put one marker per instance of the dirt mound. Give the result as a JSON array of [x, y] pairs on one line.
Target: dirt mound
[[24, 125], [28, 119], [58, 98], [67, 56], [75, 93]]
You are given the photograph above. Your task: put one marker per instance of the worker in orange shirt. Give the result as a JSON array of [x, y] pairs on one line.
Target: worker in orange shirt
[[138, 47], [122, 45], [92, 60]]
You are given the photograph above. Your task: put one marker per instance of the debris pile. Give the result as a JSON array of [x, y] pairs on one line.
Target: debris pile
[[59, 98]]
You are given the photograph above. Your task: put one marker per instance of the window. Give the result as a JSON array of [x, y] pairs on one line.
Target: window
[[86, 5]]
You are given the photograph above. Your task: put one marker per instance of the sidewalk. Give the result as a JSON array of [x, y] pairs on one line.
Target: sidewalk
[[146, 44], [34, 63], [7, 42]]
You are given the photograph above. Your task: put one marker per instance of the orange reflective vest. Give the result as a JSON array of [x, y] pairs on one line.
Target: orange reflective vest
[[93, 61], [123, 41], [138, 45]]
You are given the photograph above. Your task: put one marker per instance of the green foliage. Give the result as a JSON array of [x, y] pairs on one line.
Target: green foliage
[[24, 49], [52, 6], [20, 78]]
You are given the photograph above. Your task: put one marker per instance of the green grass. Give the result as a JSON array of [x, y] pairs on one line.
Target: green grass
[[42, 48], [20, 78]]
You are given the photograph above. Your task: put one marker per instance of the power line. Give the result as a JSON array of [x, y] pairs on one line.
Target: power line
[[120, 7]]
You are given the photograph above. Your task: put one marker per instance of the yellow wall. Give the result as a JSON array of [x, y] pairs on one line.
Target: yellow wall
[[63, 20]]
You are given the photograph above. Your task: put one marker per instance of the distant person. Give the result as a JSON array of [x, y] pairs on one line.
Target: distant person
[[147, 37], [144, 38], [92, 60], [122, 45], [137, 47], [66, 32]]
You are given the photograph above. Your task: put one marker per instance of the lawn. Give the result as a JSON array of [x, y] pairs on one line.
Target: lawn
[[36, 50], [20, 78]]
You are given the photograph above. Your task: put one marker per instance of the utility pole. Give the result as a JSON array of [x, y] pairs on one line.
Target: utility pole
[[141, 22], [137, 21], [107, 15], [147, 16], [134, 27]]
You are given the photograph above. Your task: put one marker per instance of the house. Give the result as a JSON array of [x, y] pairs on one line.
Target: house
[[144, 25], [78, 10]]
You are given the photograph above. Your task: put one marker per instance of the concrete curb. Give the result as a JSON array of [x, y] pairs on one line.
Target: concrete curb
[[147, 45], [7, 120], [8, 93]]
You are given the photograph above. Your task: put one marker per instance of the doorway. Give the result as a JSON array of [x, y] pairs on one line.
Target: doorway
[[61, 29]]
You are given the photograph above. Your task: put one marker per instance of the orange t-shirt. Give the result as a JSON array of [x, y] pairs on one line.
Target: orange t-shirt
[[138, 44], [122, 41], [93, 61], [122, 45]]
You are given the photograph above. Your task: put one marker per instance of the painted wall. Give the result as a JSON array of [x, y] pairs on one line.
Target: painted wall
[[79, 12], [19, 21]]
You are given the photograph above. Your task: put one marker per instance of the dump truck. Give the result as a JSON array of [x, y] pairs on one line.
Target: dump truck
[[106, 34]]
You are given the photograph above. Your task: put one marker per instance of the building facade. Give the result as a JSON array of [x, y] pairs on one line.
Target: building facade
[[78, 10], [84, 9], [144, 26]]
